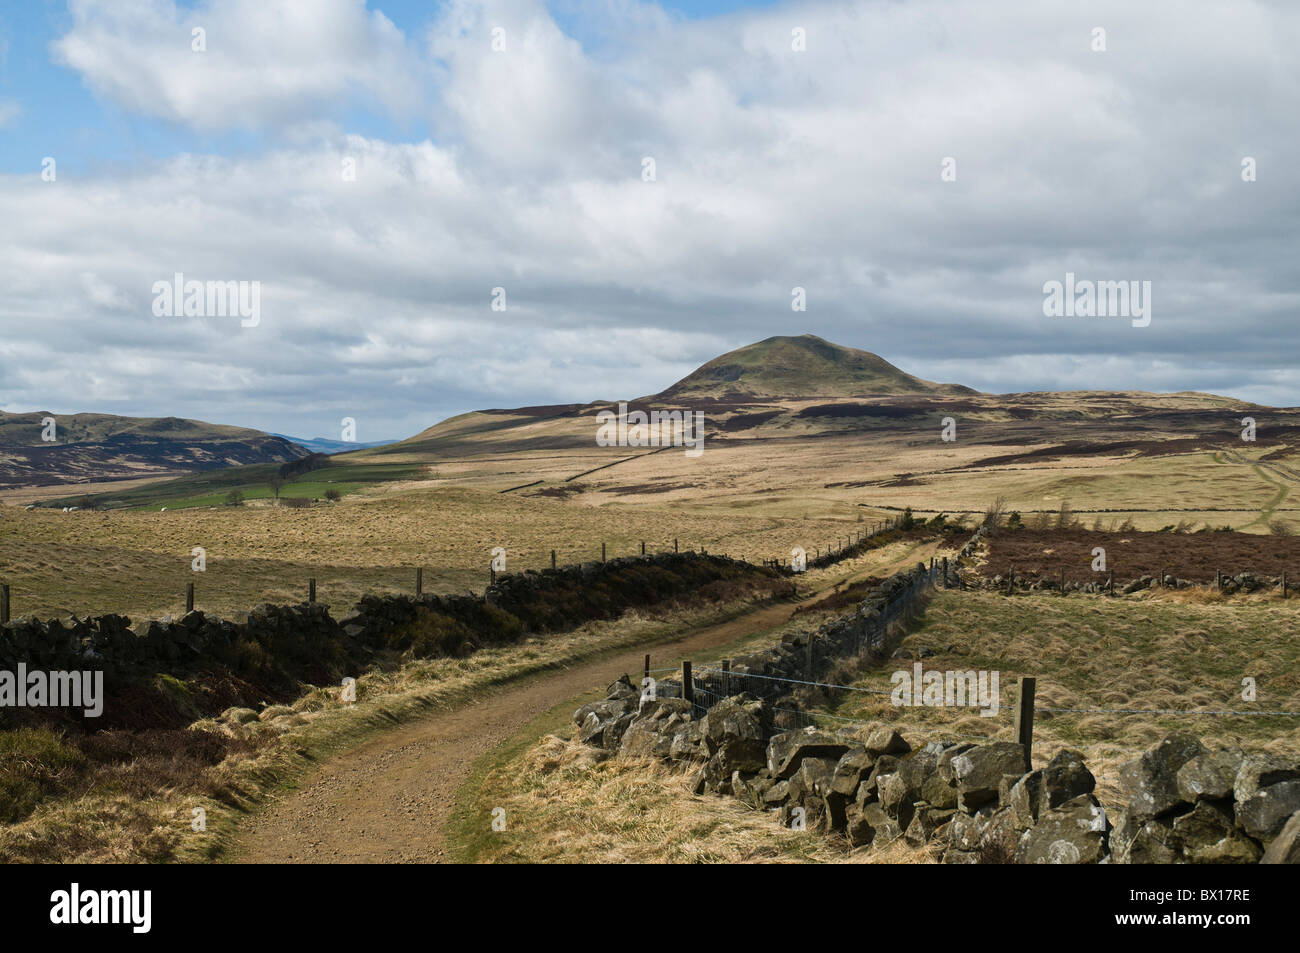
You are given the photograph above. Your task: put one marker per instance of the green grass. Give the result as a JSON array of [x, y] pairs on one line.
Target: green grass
[[301, 490]]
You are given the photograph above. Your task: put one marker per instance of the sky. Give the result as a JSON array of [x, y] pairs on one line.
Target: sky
[[920, 169]]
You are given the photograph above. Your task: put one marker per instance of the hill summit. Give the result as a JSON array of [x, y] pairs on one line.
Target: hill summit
[[802, 366]]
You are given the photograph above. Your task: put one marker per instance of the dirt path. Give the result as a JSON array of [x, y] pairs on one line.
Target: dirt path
[[1262, 470], [388, 799]]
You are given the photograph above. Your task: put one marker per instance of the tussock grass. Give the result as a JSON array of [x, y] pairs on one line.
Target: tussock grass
[[566, 806], [1171, 651]]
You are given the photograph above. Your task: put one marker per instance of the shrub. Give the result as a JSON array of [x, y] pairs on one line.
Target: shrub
[[993, 515]]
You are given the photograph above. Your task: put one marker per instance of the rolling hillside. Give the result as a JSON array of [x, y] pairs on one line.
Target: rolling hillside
[[797, 425], [97, 448]]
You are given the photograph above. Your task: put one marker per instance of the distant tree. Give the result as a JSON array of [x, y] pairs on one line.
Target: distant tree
[[276, 483], [234, 498], [296, 468], [908, 521], [993, 515], [1013, 520], [333, 495]]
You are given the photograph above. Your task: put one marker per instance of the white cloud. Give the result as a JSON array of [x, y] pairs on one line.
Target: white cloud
[[266, 63], [775, 169]]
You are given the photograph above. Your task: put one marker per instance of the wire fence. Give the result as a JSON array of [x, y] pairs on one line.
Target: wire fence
[[861, 634]]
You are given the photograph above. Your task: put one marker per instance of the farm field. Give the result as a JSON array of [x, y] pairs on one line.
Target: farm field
[[138, 562]]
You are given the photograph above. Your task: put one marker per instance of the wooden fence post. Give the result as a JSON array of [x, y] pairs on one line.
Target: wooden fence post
[[674, 544], [647, 668], [688, 684], [311, 589], [726, 672], [1024, 718], [189, 597], [602, 552], [1283, 585], [419, 581], [811, 639], [1062, 582], [945, 572], [552, 559], [643, 547], [4, 604], [492, 572], [1112, 582]]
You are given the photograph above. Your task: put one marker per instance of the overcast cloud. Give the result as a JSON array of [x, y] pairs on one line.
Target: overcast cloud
[[775, 169]]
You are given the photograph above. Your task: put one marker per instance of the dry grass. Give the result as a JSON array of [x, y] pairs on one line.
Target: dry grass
[[138, 563], [1169, 651], [562, 805]]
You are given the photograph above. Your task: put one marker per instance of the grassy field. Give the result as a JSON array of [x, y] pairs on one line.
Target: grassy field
[[137, 562], [1183, 652]]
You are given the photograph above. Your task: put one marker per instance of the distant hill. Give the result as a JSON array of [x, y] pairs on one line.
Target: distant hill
[[803, 366], [326, 445], [91, 448], [792, 413]]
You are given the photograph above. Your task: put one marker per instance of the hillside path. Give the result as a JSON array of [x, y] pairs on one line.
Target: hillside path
[[388, 799]]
